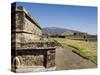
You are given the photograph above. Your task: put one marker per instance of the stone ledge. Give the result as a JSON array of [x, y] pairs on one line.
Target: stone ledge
[[35, 69]]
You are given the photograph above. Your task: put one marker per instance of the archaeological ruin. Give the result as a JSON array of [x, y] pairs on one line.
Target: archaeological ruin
[[30, 50]]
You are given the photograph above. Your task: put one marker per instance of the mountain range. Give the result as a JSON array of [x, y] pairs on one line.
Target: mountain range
[[56, 30]]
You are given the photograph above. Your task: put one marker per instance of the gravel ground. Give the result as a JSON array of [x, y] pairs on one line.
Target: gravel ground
[[66, 59]]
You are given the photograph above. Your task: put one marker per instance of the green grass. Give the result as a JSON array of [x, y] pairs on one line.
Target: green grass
[[85, 49]]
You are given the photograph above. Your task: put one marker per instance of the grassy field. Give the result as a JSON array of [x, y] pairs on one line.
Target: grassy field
[[85, 49]]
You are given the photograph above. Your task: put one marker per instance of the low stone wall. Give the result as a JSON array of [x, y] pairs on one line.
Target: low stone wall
[[34, 57]]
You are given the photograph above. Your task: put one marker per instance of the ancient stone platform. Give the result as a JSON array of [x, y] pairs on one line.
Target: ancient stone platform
[[30, 50]]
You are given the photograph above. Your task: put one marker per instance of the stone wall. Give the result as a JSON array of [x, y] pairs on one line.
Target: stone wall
[[31, 27], [29, 49], [34, 58], [24, 28]]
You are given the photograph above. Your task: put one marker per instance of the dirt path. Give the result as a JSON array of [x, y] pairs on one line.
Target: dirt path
[[66, 59]]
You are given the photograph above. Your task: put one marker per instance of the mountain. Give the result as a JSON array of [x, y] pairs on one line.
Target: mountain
[[56, 30]]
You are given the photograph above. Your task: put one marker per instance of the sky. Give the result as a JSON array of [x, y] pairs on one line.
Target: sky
[[80, 18]]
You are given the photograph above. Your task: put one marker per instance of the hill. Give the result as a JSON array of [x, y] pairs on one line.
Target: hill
[[56, 30]]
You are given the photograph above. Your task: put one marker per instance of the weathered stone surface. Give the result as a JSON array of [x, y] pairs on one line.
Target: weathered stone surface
[[32, 60], [29, 48], [19, 21], [50, 59]]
